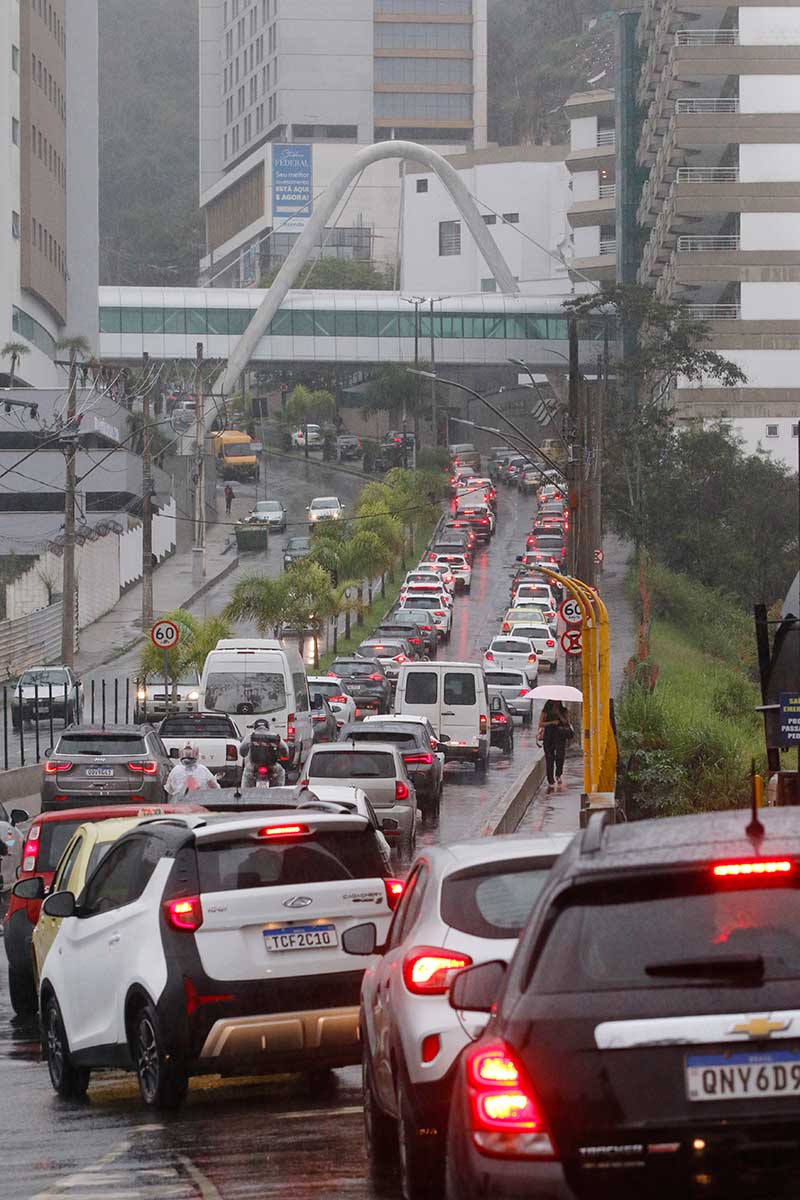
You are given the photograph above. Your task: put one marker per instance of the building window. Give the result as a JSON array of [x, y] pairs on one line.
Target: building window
[[15, 131], [511, 218], [794, 430], [449, 238], [772, 431], [422, 36], [489, 219], [15, 59], [489, 285], [15, 224], [422, 185]]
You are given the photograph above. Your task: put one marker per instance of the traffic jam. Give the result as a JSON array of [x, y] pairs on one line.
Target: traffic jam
[[256, 885]]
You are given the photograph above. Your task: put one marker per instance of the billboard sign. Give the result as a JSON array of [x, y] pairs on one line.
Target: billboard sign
[[292, 187]]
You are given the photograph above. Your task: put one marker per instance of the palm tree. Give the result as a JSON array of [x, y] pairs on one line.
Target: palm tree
[[304, 406], [311, 600], [14, 351], [260, 600], [198, 637]]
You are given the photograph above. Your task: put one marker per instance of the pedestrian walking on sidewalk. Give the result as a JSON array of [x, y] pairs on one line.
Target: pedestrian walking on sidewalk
[[554, 732], [230, 496]]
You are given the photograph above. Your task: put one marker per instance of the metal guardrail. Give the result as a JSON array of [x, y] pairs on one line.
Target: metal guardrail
[[696, 243], [714, 312], [608, 191], [607, 137], [707, 37], [708, 175], [707, 104], [608, 246]]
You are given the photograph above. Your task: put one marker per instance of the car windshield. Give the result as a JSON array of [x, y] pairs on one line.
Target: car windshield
[[325, 502], [237, 449], [242, 864], [267, 506], [200, 726], [101, 743], [494, 899], [253, 692], [352, 764], [43, 679], [298, 543], [657, 935]]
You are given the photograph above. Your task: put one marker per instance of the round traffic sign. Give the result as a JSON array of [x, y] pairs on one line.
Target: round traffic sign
[[598, 556], [571, 611], [165, 635], [572, 642]]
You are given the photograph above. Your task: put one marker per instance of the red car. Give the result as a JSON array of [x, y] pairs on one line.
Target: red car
[[45, 842]]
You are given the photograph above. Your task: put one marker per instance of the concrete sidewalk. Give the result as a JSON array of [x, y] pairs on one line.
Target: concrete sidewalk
[[173, 587]]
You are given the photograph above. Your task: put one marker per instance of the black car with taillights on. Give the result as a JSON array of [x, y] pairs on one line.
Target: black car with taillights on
[[127, 764], [366, 681], [646, 1035]]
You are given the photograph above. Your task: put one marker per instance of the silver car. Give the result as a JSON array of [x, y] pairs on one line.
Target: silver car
[[513, 686], [380, 770], [271, 513]]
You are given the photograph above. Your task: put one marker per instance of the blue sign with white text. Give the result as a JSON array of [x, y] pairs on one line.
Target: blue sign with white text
[[292, 187], [790, 718]]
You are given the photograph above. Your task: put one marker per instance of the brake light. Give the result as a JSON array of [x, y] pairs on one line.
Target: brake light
[[31, 848], [378, 647], [394, 892], [55, 768], [506, 627], [437, 612], [400, 790], [431, 1045], [489, 656], [741, 870], [195, 999], [290, 729], [282, 831], [414, 641], [231, 753], [264, 771], [337, 700], [143, 768], [426, 759], [550, 643], [185, 915], [531, 658], [500, 718], [505, 1119], [426, 628], [427, 969], [523, 692], [483, 723], [376, 678], [550, 616]]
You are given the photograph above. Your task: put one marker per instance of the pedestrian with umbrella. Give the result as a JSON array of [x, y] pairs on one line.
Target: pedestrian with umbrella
[[554, 733]]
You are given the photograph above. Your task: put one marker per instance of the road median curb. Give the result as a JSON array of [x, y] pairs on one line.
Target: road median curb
[[512, 805]]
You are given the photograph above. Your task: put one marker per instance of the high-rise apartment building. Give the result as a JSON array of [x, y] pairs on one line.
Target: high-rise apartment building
[[333, 74], [48, 180], [720, 206], [591, 163]]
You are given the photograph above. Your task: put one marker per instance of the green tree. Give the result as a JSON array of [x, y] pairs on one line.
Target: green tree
[[261, 600], [394, 388], [311, 600], [304, 407], [347, 274], [198, 636], [14, 351]]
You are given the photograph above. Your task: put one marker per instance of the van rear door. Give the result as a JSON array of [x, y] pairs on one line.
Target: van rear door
[[418, 693], [463, 700]]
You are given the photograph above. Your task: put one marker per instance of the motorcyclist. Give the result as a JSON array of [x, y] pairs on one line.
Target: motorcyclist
[[189, 774], [264, 748]]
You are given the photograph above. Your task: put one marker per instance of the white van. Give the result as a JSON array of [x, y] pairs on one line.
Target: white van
[[258, 678], [454, 698]]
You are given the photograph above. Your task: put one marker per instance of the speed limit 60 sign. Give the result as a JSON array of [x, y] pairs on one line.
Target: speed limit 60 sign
[[165, 635], [571, 612]]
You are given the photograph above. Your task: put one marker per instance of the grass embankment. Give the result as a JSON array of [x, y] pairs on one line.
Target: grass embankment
[[373, 615], [687, 742]]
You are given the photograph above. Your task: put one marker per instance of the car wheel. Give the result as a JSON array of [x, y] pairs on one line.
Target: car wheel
[[68, 1080], [163, 1079], [509, 747], [22, 993], [480, 764], [380, 1131], [420, 1152]]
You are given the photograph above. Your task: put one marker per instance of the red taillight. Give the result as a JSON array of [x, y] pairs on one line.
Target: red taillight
[[742, 870], [489, 656], [414, 641], [506, 627], [400, 658], [427, 969], [31, 848], [375, 678], [55, 768], [426, 759], [550, 643], [550, 616], [531, 658], [337, 700], [501, 718], [483, 723], [400, 790], [282, 831], [231, 753], [505, 1118], [394, 892], [185, 915], [431, 1045], [290, 729], [523, 691], [143, 768], [195, 999], [426, 628], [437, 612]]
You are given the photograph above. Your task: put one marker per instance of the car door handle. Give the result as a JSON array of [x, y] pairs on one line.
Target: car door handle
[[444, 714], [113, 940]]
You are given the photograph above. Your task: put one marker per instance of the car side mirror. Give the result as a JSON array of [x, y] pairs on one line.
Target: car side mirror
[[477, 988], [29, 889], [48, 751], [60, 904], [174, 752], [389, 824], [361, 939], [520, 558], [444, 737], [18, 815]]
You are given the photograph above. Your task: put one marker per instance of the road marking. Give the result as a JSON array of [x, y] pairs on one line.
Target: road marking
[[201, 1181], [318, 1112]]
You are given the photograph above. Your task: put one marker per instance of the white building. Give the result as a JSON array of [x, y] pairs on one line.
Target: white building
[[523, 195], [306, 73], [48, 181]]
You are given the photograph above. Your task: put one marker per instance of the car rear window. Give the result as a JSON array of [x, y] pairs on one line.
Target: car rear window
[[352, 764], [384, 649], [510, 646], [459, 688], [533, 631], [237, 865], [101, 743], [398, 738], [493, 900], [353, 668], [422, 687], [544, 541], [504, 678], [202, 727], [610, 939], [53, 840]]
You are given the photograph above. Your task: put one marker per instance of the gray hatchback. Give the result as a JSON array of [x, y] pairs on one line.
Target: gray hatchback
[[126, 764]]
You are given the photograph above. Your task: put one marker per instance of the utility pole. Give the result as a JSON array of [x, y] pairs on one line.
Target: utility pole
[[147, 501], [573, 456], [434, 405], [68, 588], [199, 552]]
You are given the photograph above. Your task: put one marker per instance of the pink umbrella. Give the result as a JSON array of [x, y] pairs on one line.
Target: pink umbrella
[[555, 691]]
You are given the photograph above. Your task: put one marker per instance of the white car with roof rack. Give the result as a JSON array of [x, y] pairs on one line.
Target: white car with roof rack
[[342, 705], [458, 565]]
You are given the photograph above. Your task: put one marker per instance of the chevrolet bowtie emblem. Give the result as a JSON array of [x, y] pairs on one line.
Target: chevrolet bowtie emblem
[[760, 1027]]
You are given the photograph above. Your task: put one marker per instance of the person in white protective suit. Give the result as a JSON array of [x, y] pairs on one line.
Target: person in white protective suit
[[189, 775]]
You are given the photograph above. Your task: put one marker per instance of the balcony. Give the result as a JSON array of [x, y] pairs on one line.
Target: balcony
[[608, 246], [714, 312], [608, 191], [707, 37], [708, 175], [707, 242], [607, 137], [708, 104]]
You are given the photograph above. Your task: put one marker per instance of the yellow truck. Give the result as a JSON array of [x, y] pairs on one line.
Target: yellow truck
[[236, 455]]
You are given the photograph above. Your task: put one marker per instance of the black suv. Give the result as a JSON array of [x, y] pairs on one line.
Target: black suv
[[366, 681], [646, 1040]]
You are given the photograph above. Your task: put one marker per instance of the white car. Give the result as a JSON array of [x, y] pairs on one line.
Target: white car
[[456, 565], [515, 653], [512, 684], [324, 506], [315, 438], [427, 573], [544, 643], [213, 945], [355, 800], [331, 687], [534, 591], [464, 904], [432, 599]]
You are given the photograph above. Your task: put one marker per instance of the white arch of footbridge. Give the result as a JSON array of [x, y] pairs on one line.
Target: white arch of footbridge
[[324, 208]]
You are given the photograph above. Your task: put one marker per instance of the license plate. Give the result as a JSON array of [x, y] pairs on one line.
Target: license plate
[[95, 772], [743, 1076], [301, 937]]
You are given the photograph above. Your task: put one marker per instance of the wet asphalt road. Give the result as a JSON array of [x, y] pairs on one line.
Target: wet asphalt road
[[246, 1139]]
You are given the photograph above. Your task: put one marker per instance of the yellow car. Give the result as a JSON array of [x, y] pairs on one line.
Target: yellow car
[[87, 846]]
